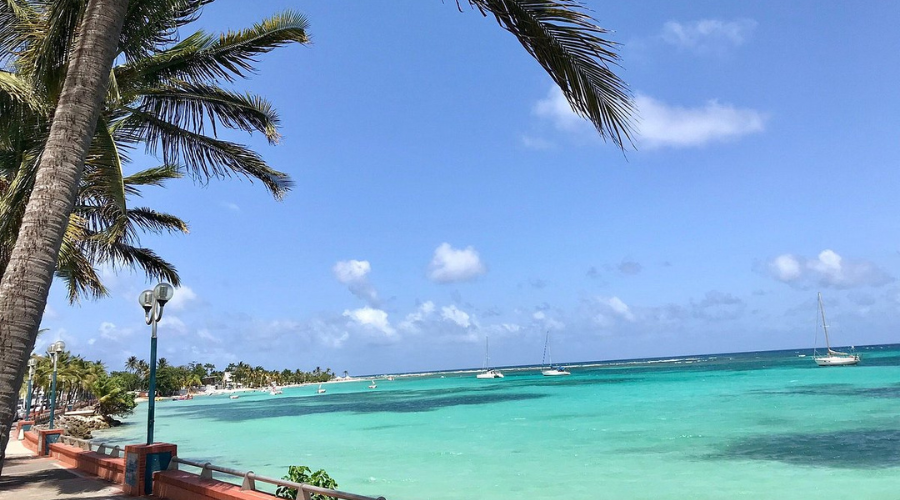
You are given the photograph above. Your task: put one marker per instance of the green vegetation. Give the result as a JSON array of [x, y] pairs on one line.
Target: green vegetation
[[167, 97], [303, 474]]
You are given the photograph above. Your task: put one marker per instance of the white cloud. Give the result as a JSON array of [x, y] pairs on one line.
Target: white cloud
[[708, 36], [786, 267], [370, 318], [170, 322], [231, 206], [180, 299], [661, 125], [414, 320], [619, 307], [451, 265], [354, 274], [828, 269], [556, 108], [455, 315]]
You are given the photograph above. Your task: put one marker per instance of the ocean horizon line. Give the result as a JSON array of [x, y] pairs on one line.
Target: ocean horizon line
[[617, 362]]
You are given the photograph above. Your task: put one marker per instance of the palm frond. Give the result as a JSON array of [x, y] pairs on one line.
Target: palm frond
[[49, 56], [576, 54], [150, 25], [17, 96], [14, 20], [190, 106], [203, 156], [155, 176], [156, 222], [74, 267], [203, 57], [103, 178], [125, 255]]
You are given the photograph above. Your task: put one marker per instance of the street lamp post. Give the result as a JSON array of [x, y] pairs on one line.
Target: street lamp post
[[31, 365], [153, 302], [55, 349]]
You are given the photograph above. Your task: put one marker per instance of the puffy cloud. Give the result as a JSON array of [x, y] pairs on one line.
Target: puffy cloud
[[372, 319], [450, 265], [415, 319], [662, 125], [619, 307], [354, 274], [828, 269], [181, 298], [708, 35], [451, 313], [556, 108], [171, 322]]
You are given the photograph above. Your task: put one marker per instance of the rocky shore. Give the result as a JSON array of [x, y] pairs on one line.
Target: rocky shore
[[81, 426]]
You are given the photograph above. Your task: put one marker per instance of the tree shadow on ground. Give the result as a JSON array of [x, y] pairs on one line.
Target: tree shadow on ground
[[857, 449]]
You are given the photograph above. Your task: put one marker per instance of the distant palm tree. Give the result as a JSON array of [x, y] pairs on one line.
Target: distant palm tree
[[131, 364], [162, 363]]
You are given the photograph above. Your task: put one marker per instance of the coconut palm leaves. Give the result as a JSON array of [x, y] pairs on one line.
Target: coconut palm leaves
[[577, 56], [165, 97]]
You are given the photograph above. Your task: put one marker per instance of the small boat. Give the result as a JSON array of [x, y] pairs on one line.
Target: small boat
[[391, 378], [233, 396], [373, 385], [832, 357], [488, 372], [274, 390], [550, 370], [320, 390]]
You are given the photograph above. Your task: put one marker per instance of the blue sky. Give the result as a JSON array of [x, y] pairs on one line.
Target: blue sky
[[445, 193]]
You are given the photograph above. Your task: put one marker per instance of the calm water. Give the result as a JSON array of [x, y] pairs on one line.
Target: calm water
[[754, 425]]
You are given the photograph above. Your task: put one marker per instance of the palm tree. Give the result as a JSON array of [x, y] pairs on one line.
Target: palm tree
[[156, 98], [565, 41], [26, 281], [131, 364]]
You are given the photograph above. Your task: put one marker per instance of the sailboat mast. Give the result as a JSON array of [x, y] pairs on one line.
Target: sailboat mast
[[487, 355], [824, 324]]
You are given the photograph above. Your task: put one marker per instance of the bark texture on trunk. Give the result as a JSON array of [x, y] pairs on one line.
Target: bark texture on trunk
[[26, 282]]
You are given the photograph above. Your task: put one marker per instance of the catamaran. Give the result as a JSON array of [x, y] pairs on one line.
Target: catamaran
[[548, 370], [488, 371], [832, 357]]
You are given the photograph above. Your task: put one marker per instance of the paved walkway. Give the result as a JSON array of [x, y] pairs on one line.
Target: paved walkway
[[26, 477]]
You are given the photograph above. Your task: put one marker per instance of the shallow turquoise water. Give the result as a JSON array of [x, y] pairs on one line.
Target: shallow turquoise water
[[754, 425]]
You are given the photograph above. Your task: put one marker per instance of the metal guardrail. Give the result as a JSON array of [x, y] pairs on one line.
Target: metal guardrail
[[86, 444], [304, 490]]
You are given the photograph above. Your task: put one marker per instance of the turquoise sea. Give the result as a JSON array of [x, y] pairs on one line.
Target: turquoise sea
[[750, 425]]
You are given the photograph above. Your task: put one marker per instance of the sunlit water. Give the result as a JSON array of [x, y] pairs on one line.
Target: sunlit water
[[755, 425]]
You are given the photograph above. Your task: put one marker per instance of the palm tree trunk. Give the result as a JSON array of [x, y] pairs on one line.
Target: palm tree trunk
[[26, 282]]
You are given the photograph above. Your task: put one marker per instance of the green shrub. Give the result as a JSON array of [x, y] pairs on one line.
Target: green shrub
[[302, 474]]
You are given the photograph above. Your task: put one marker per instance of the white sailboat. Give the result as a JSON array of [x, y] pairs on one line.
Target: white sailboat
[[488, 372], [320, 390], [832, 357], [372, 386], [548, 370]]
